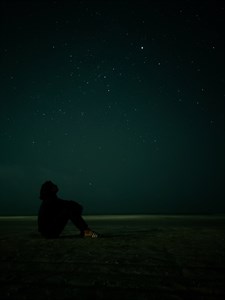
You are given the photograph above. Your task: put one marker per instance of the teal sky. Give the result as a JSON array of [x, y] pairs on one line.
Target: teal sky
[[120, 104]]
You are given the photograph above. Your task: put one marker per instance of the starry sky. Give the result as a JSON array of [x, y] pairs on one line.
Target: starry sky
[[120, 103]]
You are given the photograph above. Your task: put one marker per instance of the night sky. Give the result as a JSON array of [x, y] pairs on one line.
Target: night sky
[[120, 103]]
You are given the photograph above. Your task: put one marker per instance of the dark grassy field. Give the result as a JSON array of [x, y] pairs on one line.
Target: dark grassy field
[[137, 257]]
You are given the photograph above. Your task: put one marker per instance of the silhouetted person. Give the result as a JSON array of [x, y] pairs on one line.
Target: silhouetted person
[[54, 213]]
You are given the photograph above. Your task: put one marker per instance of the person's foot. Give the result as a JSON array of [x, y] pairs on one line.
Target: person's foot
[[89, 233]]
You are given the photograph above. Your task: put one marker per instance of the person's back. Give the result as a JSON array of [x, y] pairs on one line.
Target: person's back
[[48, 213]]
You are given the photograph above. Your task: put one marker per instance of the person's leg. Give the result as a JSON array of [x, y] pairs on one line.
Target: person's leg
[[69, 210], [74, 214]]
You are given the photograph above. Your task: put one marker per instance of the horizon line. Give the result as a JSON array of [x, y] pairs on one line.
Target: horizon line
[[118, 216]]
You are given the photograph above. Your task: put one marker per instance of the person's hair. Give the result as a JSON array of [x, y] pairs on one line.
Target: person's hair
[[46, 190]]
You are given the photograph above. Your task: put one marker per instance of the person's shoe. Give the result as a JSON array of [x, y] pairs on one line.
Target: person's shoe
[[89, 233]]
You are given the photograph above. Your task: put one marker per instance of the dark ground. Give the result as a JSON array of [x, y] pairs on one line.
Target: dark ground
[[137, 257]]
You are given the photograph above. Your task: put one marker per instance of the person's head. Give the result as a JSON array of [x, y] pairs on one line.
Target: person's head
[[48, 190]]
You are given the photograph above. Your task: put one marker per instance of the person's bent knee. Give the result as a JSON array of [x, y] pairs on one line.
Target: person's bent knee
[[77, 207]]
